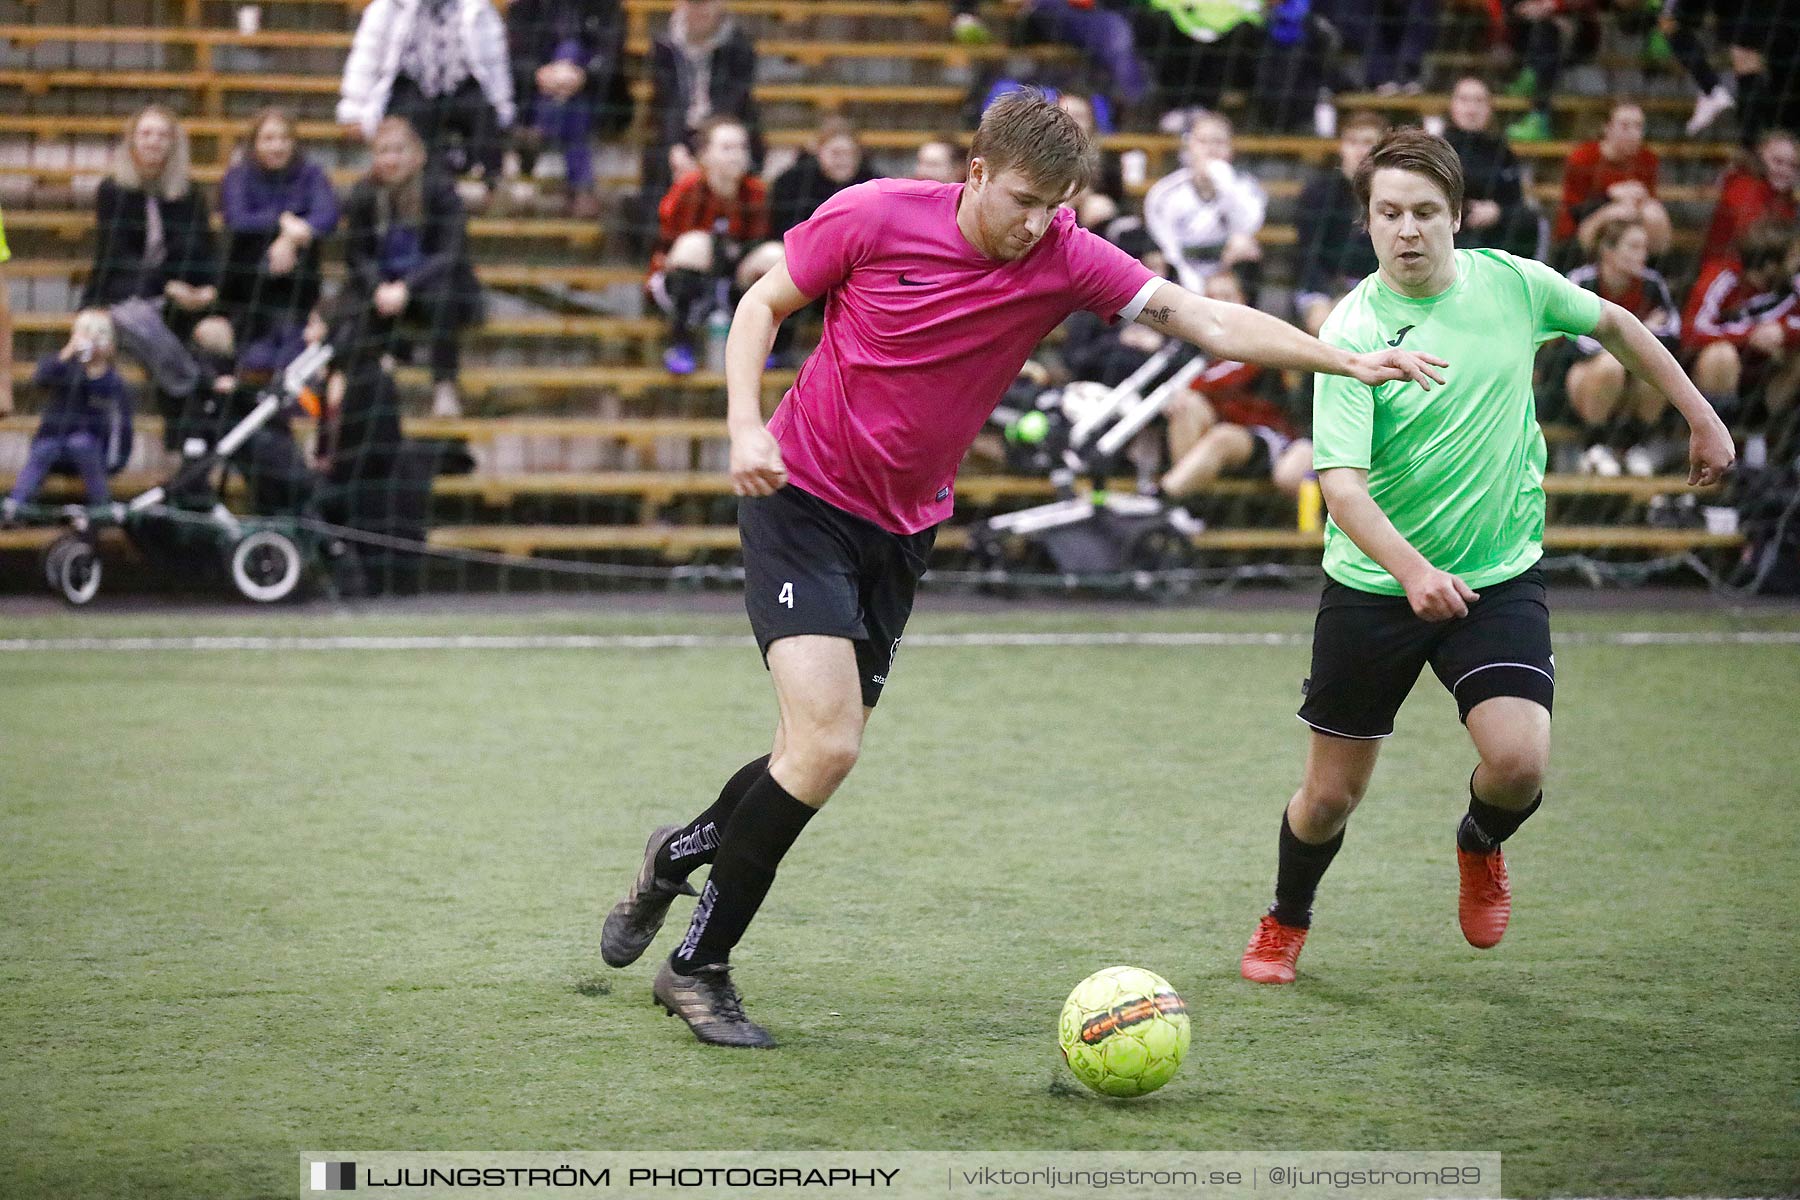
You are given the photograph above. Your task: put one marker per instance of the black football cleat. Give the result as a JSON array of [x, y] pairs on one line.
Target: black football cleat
[[709, 1003], [634, 921]]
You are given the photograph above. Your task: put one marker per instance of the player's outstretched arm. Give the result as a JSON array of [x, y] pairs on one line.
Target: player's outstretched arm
[[756, 467], [1243, 334], [1434, 595], [1710, 450]]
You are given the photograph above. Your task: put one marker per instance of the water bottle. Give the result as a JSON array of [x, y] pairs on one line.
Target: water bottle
[[1311, 505], [1134, 169], [718, 328], [1325, 114]]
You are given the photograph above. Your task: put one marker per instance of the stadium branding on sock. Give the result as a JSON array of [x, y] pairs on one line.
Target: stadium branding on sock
[[334, 1177], [700, 841], [709, 896]]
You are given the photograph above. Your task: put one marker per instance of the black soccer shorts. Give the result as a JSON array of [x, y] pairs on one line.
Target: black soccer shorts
[[1368, 651], [812, 568]]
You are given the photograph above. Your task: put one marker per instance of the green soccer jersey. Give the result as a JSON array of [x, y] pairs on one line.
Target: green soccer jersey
[[1459, 470], [4, 252]]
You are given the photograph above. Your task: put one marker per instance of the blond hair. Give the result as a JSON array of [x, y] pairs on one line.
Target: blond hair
[[404, 201], [173, 183]]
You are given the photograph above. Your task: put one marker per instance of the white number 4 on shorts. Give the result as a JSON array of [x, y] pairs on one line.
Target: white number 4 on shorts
[[787, 595]]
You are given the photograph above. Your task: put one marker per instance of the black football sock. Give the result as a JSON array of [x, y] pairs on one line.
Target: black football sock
[[766, 824], [1301, 866], [1486, 826], [697, 843]]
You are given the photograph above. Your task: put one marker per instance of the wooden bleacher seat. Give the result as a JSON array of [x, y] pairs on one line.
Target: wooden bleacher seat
[[811, 52], [595, 277], [661, 487], [683, 541], [74, 224], [495, 383]]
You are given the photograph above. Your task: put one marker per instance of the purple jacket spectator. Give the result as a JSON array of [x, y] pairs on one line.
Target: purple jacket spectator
[[259, 300]]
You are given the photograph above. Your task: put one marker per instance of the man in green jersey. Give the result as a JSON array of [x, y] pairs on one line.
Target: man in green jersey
[[1437, 520]]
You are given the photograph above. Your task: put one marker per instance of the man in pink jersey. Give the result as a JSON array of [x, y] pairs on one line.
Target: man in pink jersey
[[935, 294]]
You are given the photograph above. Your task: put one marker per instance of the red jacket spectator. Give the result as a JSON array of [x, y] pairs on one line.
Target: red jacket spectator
[[1233, 390], [1749, 193], [1727, 307], [692, 205], [1588, 174]]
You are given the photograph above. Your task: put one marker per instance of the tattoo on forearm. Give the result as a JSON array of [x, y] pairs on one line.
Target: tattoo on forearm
[[1160, 316]]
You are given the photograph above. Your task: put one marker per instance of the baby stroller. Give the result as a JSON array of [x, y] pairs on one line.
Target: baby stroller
[[264, 556], [1089, 537]]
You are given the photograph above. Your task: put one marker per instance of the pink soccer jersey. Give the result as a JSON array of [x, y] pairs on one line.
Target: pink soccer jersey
[[923, 335]]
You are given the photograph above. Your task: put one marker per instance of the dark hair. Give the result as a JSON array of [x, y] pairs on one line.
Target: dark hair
[[833, 128], [704, 134], [1767, 138], [1023, 130], [1765, 243], [1410, 148]]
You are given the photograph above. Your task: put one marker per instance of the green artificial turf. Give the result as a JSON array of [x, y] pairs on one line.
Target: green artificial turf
[[257, 902]]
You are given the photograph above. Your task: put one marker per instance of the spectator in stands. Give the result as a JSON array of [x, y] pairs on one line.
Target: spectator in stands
[[231, 386], [1233, 421], [86, 419], [279, 207], [566, 56], [1335, 253], [712, 246], [1205, 216], [441, 64], [1277, 52], [155, 263], [1392, 37], [1742, 328], [1497, 212], [1610, 179], [406, 246], [1765, 57], [702, 65], [6, 329], [359, 432], [1620, 413], [1758, 186], [1681, 22], [1102, 198], [940, 160], [834, 163], [1545, 33], [1103, 32]]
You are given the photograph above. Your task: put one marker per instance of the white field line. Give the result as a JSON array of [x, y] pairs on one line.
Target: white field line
[[365, 642]]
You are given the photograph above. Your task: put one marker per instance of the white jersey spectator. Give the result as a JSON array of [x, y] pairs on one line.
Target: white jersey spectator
[[1205, 217], [387, 41]]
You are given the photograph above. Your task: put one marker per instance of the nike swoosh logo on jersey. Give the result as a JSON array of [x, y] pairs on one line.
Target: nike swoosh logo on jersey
[[914, 282], [1401, 336]]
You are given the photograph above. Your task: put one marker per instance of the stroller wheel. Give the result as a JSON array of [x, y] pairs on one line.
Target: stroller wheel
[[78, 572], [53, 557], [265, 566], [1155, 558]]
